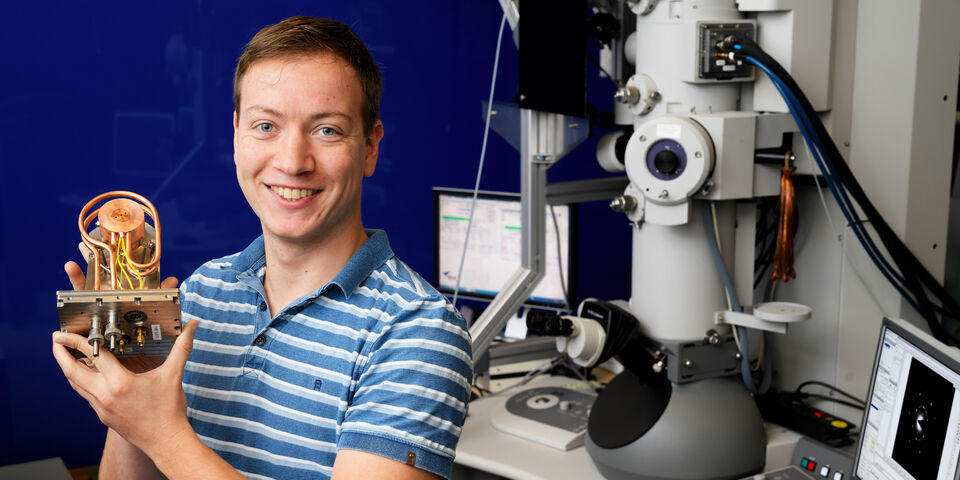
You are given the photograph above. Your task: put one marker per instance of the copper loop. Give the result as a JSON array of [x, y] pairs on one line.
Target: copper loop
[[143, 269]]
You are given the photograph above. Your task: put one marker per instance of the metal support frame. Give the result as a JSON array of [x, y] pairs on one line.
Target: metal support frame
[[533, 184], [544, 139], [578, 191]]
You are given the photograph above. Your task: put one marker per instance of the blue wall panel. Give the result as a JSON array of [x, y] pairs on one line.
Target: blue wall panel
[[99, 96]]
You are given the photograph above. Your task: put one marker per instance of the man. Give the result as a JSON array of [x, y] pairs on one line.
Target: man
[[314, 352]]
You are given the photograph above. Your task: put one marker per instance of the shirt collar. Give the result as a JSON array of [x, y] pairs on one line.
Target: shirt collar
[[370, 256]]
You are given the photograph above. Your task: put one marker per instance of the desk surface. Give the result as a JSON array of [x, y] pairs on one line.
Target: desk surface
[[51, 468], [486, 449]]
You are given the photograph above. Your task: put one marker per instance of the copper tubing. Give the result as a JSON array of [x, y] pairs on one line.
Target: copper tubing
[[151, 266], [783, 258], [93, 245], [84, 223]]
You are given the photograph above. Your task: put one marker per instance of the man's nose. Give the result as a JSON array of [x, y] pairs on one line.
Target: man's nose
[[295, 157]]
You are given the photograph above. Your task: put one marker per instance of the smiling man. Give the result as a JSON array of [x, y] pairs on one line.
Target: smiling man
[[315, 351]]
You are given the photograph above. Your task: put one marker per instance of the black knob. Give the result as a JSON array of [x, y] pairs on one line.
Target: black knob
[[666, 162], [135, 317]]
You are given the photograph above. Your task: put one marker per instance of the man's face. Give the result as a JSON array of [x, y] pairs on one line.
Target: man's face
[[299, 146]]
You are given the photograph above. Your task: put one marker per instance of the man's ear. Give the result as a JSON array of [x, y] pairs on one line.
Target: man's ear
[[372, 150], [235, 136]]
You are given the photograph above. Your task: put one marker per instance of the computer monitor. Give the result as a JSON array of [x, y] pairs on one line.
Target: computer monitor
[[493, 253], [911, 426]]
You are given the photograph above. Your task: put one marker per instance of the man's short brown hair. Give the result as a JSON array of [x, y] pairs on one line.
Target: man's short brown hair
[[305, 35]]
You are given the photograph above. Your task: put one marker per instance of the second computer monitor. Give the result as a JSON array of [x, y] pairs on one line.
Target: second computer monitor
[[911, 427], [493, 253]]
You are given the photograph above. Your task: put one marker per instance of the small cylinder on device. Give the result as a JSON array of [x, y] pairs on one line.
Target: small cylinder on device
[[113, 329], [95, 337], [122, 216]]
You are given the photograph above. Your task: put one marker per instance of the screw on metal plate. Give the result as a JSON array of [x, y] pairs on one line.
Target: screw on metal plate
[[628, 95], [624, 204], [707, 187]]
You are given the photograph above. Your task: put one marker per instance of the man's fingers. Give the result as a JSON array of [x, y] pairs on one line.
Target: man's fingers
[[169, 282], [74, 341], [106, 362], [89, 397], [76, 372], [181, 348], [84, 251], [75, 274]]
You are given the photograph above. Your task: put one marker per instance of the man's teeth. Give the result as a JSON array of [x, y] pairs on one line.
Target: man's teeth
[[293, 194]]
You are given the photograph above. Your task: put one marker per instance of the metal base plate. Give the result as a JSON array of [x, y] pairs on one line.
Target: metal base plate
[[161, 306]]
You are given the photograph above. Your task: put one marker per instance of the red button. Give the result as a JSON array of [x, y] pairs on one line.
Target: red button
[[812, 466], [818, 414]]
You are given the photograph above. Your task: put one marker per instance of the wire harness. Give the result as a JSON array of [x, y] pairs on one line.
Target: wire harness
[[910, 278]]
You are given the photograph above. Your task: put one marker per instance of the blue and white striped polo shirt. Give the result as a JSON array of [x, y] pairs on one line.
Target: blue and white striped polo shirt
[[376, 360]]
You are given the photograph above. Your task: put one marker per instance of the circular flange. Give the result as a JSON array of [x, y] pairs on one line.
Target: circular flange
[[542, 401], [782, 312], [121, 215], [672, 180], [648, 96]]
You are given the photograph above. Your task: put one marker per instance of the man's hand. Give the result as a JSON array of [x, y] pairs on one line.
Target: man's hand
[[139, 363], [138, 406]]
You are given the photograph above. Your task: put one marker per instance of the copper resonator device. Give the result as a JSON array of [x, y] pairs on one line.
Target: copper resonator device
[[122, 307]]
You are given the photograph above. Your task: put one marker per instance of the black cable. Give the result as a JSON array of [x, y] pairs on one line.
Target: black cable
[[916, 276], [766, 238], [829, 387], [831, 399], [597, 64]]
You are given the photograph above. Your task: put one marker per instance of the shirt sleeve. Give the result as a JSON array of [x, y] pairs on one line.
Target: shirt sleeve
[[411, 396]]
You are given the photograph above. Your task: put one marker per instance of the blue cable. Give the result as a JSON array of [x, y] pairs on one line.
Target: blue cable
[[843, 201], [838, 191], [855, 222]]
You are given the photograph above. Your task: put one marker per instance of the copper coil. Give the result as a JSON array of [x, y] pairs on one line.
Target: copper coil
[[120, 216], [783, 268]]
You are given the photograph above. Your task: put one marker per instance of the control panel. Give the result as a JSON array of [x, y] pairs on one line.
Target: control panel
[[812, 460], [714, 60], [553, 416]]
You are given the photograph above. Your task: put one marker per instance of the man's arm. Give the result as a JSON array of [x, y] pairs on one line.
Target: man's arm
[[148, 410], [121, 459], [352, 464]]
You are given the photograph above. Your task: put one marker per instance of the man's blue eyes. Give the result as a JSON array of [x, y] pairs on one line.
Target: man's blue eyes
[[270, 128]]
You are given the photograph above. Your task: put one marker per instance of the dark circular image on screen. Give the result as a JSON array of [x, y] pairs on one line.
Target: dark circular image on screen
[[922, 428]]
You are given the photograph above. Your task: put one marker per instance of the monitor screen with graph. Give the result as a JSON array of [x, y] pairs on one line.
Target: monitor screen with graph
[[493, 253], [911, 427]]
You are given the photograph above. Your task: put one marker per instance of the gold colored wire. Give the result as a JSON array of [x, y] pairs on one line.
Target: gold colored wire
[[124, 267], [118, 280]]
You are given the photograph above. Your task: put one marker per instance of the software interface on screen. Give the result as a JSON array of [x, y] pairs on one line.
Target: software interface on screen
[[493, 254], [912, 426]]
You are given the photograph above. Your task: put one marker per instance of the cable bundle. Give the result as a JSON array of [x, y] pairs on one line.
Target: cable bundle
[[913, 281]]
